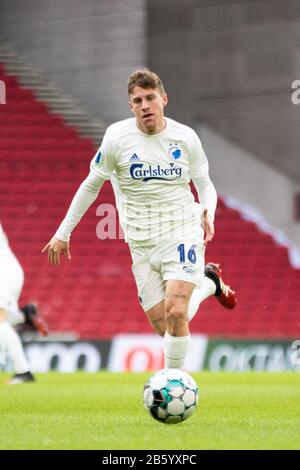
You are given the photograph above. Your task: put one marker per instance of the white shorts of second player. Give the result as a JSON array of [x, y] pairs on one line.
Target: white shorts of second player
[[181, 260], [11, 284]]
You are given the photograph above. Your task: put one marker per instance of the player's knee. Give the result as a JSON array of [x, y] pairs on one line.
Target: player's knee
[[175, 315], [3, 315]]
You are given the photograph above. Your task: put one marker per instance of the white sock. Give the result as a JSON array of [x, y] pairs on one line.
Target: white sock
[[10, 340], [16, 317], [175, 350], [207, 288]]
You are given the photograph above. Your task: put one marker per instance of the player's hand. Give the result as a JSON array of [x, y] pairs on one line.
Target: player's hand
[[208, 227], [55, 248]]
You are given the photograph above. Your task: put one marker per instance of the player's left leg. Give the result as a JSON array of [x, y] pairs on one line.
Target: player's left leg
[[177, 336], [212, 284], [207, 289]]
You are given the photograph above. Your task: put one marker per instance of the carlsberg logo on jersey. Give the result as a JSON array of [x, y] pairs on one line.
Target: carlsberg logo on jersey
[[137, 172]]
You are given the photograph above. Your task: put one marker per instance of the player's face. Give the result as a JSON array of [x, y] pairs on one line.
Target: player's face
[[147, 104]]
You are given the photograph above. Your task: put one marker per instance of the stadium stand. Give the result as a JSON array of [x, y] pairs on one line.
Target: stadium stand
[[42, 162]]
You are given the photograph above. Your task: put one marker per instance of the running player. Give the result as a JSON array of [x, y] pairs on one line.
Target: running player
[[11, 284], [150, 160]]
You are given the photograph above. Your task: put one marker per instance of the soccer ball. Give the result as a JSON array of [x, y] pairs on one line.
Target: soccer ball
[[170, 396]]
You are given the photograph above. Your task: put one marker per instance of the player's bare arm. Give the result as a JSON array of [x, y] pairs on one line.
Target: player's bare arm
[[55, 248], [208, 227]]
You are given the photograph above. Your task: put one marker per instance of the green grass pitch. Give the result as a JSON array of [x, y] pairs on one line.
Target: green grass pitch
[[105, 411]]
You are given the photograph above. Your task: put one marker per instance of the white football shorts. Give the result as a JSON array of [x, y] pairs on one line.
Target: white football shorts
[[181, 260]]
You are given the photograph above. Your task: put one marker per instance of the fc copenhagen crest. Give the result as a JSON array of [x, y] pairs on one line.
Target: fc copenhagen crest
[[174, 151]]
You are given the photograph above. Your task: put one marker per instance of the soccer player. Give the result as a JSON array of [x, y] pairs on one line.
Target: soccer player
[[150, 160], [11, 284]]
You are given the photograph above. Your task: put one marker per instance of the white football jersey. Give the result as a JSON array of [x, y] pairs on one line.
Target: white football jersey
[[3, 241], [150, 175]]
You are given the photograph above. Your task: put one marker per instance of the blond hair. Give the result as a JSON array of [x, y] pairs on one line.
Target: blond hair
[[144, 78]]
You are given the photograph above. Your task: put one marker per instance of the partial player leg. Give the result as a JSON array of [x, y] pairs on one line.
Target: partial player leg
[[34, 319], [212, 284], [207, 289], [177, 336], [224, 294], [11, 343]]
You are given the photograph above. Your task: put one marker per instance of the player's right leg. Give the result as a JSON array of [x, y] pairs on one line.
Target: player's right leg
[[177, 336]]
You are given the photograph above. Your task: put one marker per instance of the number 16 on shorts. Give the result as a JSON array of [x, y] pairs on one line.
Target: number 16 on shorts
[[187, 254]]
